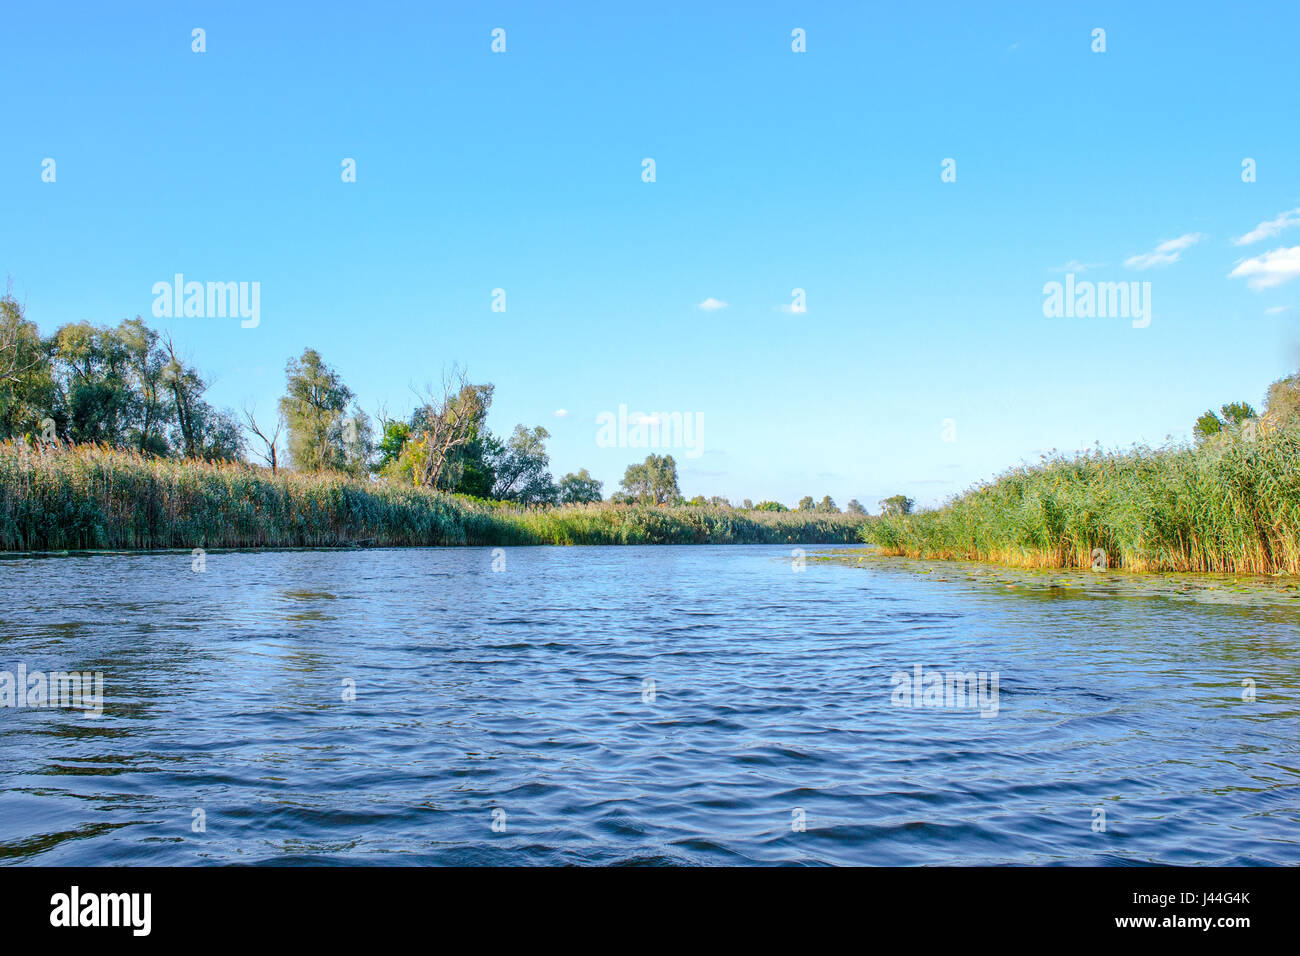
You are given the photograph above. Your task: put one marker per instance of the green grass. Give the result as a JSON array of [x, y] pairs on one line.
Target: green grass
[[1231, 505], [91, 498]]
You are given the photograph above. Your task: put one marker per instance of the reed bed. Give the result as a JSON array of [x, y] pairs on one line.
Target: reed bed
[[1231, 505], [624, 524], [94, 498]]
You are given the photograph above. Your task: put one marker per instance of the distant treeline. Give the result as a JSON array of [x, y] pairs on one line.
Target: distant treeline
[[128, 388]]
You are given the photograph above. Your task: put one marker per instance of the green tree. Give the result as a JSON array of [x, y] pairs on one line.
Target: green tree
[[474, 464], [357, 443], [653, 481], [95, 396], [313, 408], [770, 506], [806, 503], [522, 468], [1208, 424], [579, 488], [1237, 412], [896, 505], [222, 437], [827, 504], [199, 430], [1233, 415], [854, 507], [146, 370], [27, 389], [393, 438]]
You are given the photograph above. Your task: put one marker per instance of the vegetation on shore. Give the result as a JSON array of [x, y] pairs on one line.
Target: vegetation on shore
[[128, 388], [107, 441], [55, 498], [1230, 502]]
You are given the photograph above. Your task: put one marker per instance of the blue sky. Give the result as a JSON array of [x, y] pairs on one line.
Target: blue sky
[[775, 170]]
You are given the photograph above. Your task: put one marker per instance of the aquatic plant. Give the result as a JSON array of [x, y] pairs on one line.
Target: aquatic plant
[[1230, 504], [94, 497]]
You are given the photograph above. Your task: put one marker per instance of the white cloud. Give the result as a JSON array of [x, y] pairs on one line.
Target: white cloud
[[1074, 265], [712, 305], [1276, 310], [561, 413], [1269, 270], [1269, 229], [1168, 252]]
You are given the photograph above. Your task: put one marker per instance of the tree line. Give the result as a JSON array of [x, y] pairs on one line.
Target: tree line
[[127, 387]]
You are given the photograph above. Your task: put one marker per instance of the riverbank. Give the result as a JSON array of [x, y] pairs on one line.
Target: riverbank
[[91, 498], [1229, 505]]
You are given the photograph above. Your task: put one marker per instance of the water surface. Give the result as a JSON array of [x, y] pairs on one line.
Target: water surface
[[696, 705]]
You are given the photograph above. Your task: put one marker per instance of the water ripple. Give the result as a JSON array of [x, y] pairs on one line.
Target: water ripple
[[647, 706]]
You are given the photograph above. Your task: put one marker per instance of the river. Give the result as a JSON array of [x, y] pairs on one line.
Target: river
[[589, 705]]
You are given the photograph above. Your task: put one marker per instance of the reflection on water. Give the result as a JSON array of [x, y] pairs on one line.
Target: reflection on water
[[665, 704]]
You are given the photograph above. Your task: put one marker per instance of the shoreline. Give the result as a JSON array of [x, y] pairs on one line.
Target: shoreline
[[345, 549]]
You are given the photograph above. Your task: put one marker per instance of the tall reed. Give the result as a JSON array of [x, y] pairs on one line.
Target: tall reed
[[1229, 505], [88, 497]]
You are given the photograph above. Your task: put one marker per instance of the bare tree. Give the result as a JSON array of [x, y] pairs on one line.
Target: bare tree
[[271, 455], [446, 421], [11, 367]]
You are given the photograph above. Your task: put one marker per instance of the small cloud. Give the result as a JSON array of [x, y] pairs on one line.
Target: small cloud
[[561, 413], [1014, 46], [1269, 229], [1277, 310], [1074, 265], [712, 305], [1269, 270], [1168, 252]]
